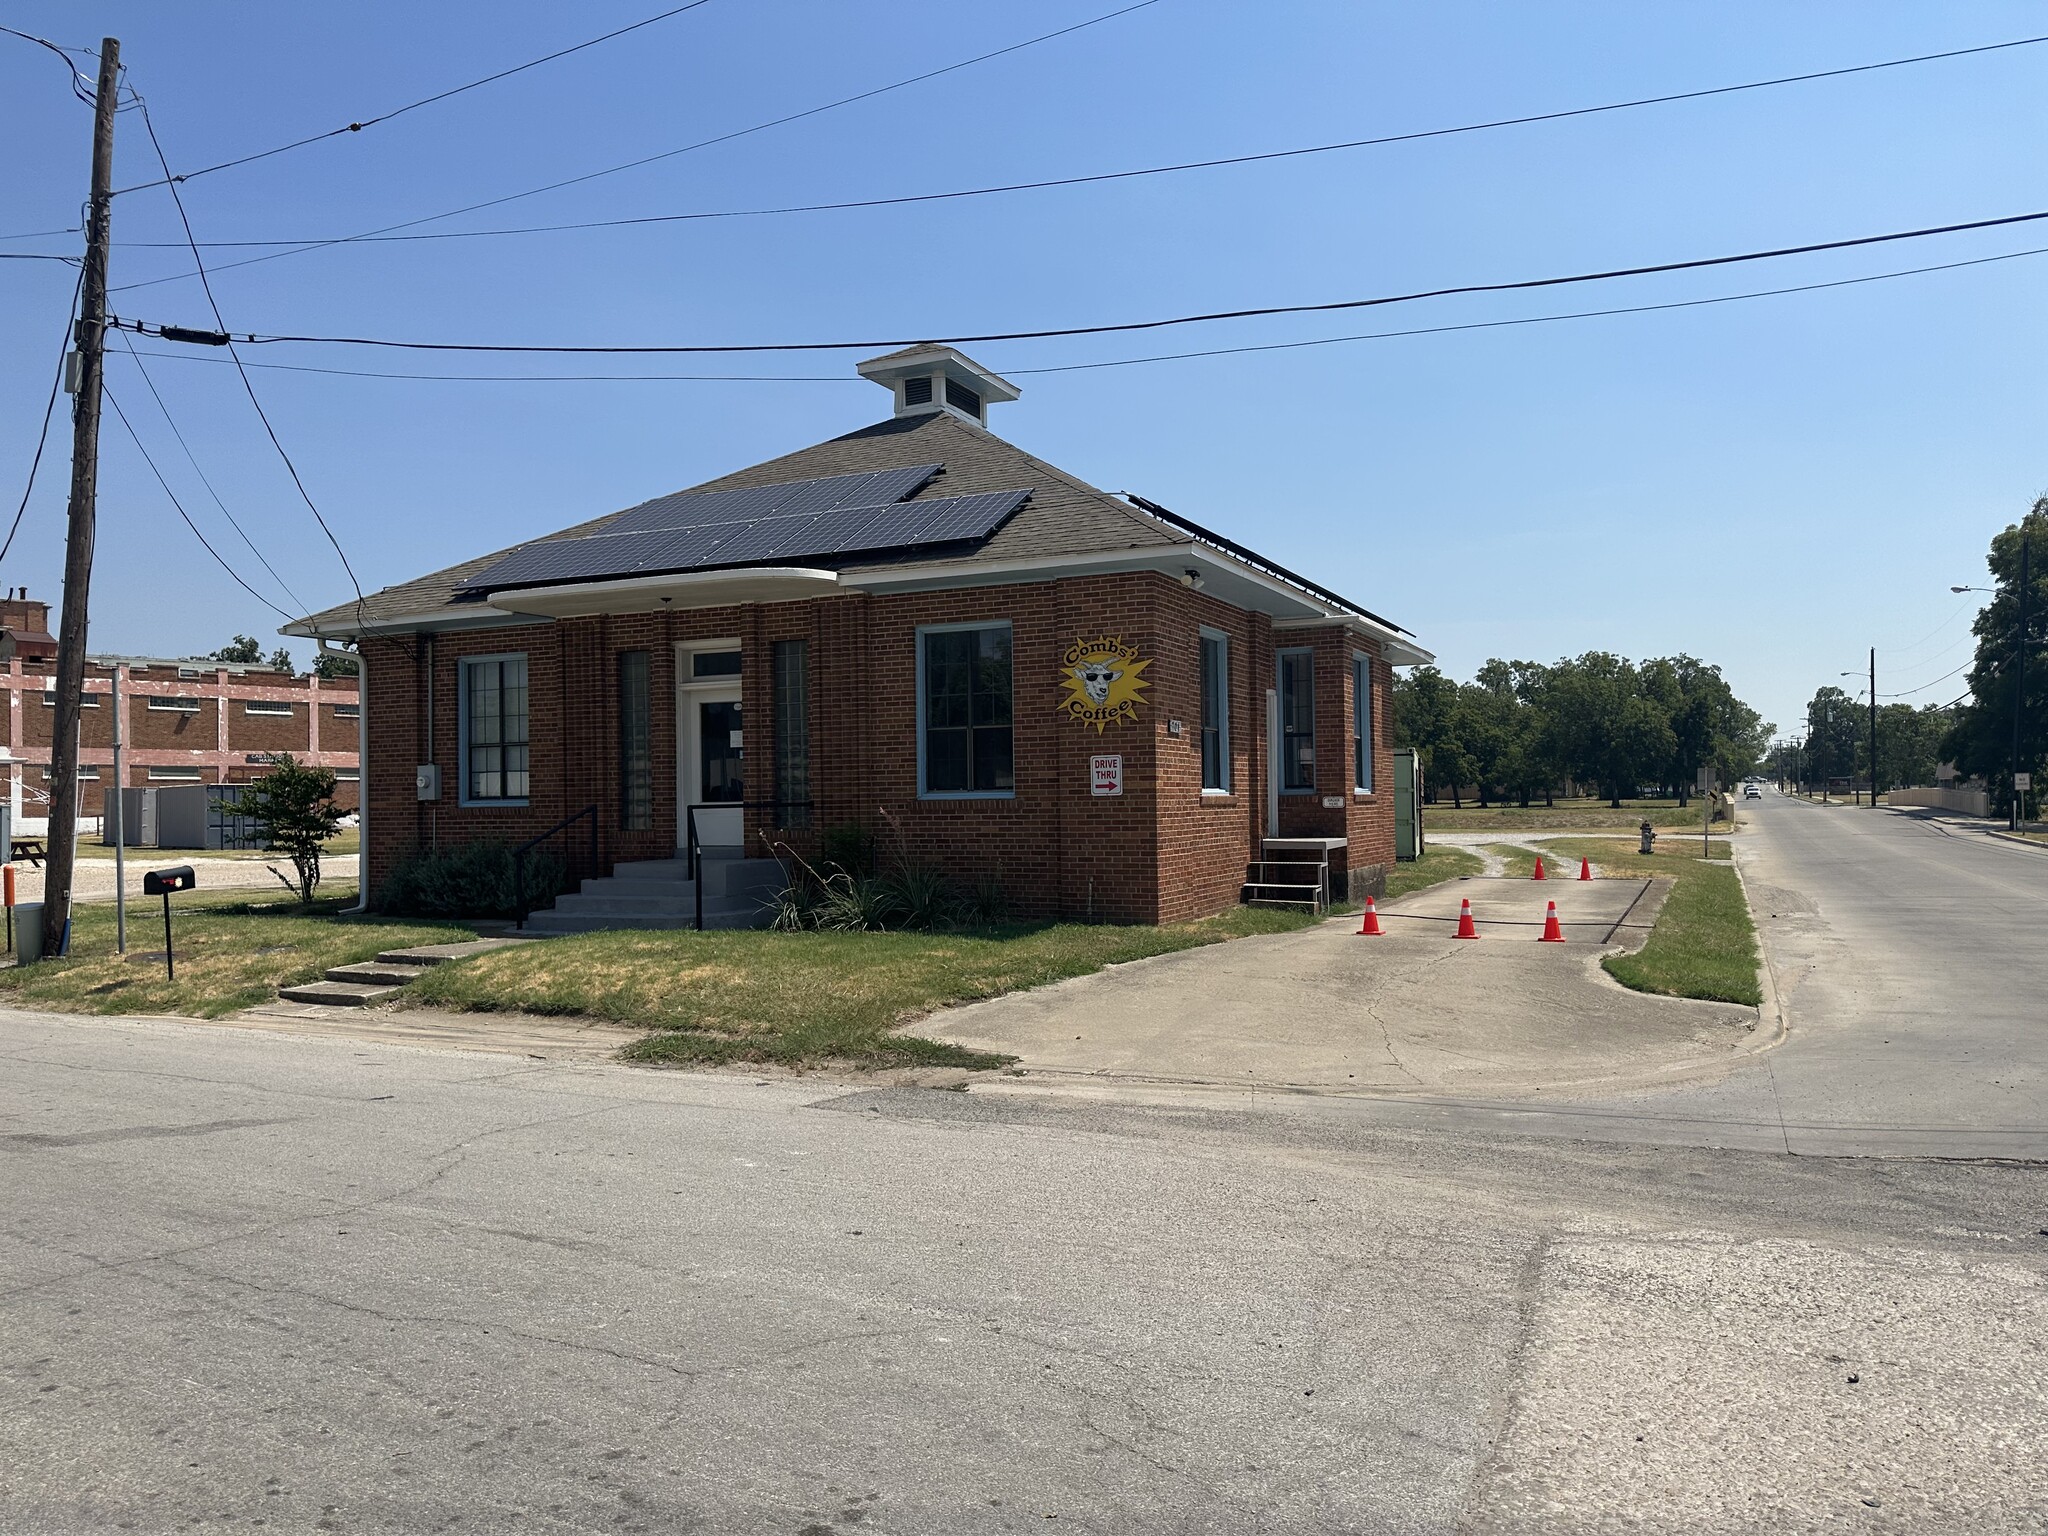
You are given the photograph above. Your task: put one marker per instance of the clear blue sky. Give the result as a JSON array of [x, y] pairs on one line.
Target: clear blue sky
[[1773, 485]]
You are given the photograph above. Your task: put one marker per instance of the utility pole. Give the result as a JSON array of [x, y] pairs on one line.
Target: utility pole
[[1873, 727], [2019, 696], [62, 845]]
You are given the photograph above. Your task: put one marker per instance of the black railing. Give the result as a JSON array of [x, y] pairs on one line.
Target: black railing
[[693, 845], [520, 910]]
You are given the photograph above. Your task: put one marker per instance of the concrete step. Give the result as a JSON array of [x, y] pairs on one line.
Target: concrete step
[[338, 994], [654, 869], [635, 885], [592, 901], [376, 973], [441, 954], [716, 915]]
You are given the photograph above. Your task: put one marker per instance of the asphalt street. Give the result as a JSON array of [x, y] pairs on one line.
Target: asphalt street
[[250, 1279], [1904, 949]]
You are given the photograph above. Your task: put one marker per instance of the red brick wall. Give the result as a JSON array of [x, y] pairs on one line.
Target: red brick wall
[[1161, 851]]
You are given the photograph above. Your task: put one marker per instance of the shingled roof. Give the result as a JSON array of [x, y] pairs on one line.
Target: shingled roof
[[1065, 515]]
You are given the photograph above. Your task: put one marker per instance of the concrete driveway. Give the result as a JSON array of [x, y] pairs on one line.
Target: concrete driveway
[[1415, 1012]]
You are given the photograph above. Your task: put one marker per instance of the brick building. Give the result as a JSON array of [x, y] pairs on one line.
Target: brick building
[[991, 666], [183, 721]]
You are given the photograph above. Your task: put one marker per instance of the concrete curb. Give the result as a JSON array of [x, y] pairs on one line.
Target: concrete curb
[[1772, 1007]]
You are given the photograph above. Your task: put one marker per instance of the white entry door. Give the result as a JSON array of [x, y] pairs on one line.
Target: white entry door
[[711, 740], [714, 765]]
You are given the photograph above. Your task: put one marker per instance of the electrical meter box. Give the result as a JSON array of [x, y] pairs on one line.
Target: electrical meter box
[[426, 781]]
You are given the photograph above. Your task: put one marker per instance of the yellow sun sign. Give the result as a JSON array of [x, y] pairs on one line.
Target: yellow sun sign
[[1104, 680]]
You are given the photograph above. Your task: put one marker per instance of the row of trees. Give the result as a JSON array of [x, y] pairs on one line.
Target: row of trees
[[1521, 729], [1979, 739], [248, 650], [1910, 742]]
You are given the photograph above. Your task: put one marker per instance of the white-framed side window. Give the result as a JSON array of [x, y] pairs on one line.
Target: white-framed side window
[[85, 700], [348, 775], [348, 711], [177, 704], [1215, 649], [176, 775], [495, 730], [267, 707], [1297, 721], [1361, 723], [965, 749]]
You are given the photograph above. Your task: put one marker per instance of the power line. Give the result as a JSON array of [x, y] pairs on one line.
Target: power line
[[1490, 325], [233, 522], [80, 86], [670, 154], [1121, 362], [424, 101], [160, 480], [1210, 317], [1925, 686], [49, 409], [529, 378], [249, 388], [1106, 176]]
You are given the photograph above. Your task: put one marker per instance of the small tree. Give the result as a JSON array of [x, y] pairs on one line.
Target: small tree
[[294, 806], [329, 666], [243, 648]]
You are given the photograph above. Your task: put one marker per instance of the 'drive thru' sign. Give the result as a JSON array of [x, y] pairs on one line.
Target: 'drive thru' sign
[[1106, 775]]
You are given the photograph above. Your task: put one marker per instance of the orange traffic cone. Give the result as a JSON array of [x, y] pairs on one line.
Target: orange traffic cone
[[1371, 928], [1552, 933], [1585, 869], [1539, 875], [1465, 928]]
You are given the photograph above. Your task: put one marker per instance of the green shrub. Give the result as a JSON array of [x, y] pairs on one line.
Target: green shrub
[[469, 880], [850, 847]]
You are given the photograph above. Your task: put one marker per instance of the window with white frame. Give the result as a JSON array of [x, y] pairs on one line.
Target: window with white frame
[[1361, 724], [177, 704], [1215, 711], [1297, 722], [494, 742], [85, 700], [347, 775], [267, 707], [175, 775], [963, 708], [348, 711]]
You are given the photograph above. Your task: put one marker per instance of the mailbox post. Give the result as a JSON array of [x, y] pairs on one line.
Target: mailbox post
[[161, 882]]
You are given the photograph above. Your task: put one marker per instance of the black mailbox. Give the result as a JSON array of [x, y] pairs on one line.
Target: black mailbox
[[161, 882]]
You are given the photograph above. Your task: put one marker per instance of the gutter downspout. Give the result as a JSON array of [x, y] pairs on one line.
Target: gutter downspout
[[362, 772]]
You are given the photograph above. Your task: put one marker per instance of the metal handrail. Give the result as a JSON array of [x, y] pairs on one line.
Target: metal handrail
[[693, 848], [519, 907]]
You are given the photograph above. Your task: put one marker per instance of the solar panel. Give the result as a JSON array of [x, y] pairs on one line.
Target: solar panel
[[840, 530], [687, 509]]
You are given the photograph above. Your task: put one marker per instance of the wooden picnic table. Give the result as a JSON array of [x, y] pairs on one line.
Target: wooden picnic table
[[30, 848]]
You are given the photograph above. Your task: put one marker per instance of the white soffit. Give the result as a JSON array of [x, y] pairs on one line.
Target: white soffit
[[687, 589]]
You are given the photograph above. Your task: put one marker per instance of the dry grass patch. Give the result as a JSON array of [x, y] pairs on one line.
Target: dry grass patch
[[803, 999], [232, 953]]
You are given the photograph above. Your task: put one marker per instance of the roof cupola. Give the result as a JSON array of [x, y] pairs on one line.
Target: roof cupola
[[926, 379]]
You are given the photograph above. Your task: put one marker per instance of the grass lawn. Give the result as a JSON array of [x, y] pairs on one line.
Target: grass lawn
[[1434, 867], [804, 999], [1566, 815], [1704, 944], [232, 953]]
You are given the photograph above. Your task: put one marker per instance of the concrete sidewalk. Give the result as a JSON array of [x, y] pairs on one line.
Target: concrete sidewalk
[[1416, 1012]]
